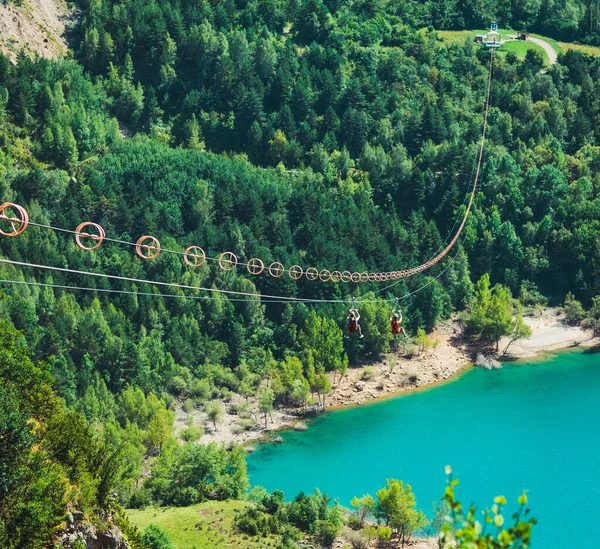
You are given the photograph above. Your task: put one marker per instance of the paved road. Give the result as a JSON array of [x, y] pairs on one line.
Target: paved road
[[552, 55]]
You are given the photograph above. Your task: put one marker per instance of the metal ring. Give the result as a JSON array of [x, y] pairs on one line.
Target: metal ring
[[336, 276], [364, 277], [295, 272], [98, 238], [371, 277], [255, 266], [325, 275], [22, 221], [228, 261], [312, 273], [198, 255], [346, 276], [276, 269], [355, 277], [378, 277], [140, 246]]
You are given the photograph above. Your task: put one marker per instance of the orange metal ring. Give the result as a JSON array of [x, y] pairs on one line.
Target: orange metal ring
[[312, 273], [79, 234], [276, 269], [228, 261], [152, 249], [194, 256], [295, 272], [325, 275], [21, 221], [336, 276], [255, 266], [346, 276]]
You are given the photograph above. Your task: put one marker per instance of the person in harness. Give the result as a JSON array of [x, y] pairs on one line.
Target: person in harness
[[396, 323], [353, 325]]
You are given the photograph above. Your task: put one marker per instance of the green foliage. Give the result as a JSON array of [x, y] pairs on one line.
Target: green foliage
[[396, 506], [188, 474], [156, 538], [574, 311], [520, 330], [363, 508], [266, 398], [464, 531], [491, 312], [214, 413]]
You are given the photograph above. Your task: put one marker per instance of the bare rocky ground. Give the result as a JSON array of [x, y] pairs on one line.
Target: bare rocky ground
[[550, 333], [38, 26]]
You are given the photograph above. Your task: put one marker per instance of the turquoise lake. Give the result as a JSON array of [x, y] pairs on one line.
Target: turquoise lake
[[529, 426]]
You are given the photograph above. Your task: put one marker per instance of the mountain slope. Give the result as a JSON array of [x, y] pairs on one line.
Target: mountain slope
[[37, 26]]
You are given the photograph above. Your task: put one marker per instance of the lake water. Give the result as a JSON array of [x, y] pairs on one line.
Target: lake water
[[530, 426]]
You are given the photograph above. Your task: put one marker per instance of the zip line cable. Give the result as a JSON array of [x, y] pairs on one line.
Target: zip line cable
[[285, 299], [295, 272], [251, 297], [442, 254]]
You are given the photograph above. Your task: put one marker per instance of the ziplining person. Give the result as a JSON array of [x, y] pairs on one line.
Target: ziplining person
[[352, 320], [396, 320], [396, 323]]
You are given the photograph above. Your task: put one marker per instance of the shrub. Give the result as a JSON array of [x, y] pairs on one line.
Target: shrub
[[327, 531], [188, 405], [368, 373], [183, 497], [192, 433], [139, 499], [177, 386], [156, 538], [200, 389]]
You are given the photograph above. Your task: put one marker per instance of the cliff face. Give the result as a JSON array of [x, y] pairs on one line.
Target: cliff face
[[37, 26], [99, 533]]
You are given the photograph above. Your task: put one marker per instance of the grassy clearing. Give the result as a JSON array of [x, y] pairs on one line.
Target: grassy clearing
[[204, 526], [590, 50], [522, 47], [519, 47]]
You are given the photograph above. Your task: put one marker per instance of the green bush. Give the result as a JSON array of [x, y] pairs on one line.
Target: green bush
[[368, 373], [156, 538], [139, 499]]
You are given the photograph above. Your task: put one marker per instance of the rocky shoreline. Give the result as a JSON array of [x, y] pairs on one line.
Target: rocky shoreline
[[397, 374]]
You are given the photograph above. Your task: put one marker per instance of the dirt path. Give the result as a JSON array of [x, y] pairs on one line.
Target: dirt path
[[550, 51]]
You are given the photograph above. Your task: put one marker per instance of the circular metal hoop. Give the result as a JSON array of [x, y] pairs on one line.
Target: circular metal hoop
[[227, 261], [312, 273], [18, 224], [255, 266], [194, 256], [371, 277], [325, 275], [346, 276], [355, 277], [152, 249], [378, 277], [364, 277], [295, 272], [79, 234], [276, 269], [336, 276]]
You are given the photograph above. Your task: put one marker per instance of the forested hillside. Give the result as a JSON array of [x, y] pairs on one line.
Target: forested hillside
[[338, 135]]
